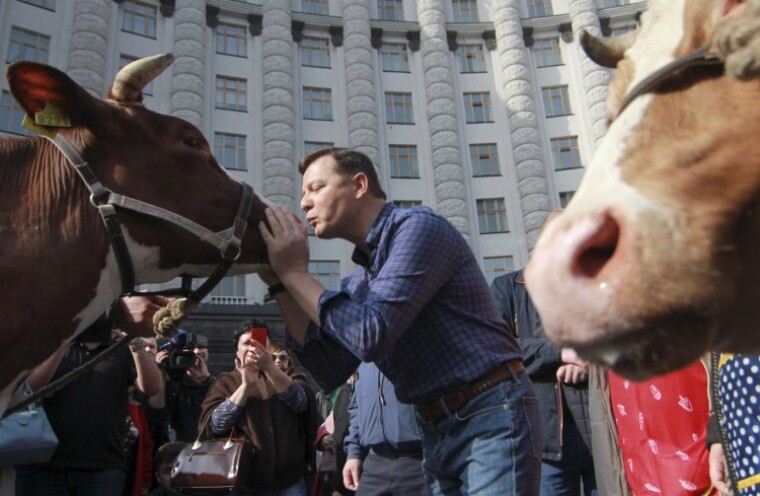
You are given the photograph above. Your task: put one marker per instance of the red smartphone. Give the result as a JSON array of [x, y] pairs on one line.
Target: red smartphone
[[260, 334]]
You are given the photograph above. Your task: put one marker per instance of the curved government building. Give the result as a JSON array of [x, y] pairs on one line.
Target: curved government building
[[486, 111]]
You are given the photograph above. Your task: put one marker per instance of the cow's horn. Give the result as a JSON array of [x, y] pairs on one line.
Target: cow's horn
[[607, 52], [129, 82]]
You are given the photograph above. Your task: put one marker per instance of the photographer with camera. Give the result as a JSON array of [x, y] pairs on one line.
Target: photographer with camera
[[184, 360]]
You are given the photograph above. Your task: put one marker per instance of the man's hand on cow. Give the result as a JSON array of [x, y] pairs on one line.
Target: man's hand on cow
[[137, 314], [572, 374], [287, 242]]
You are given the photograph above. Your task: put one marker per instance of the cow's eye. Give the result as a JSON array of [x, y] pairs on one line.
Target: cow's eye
[[192, 141]]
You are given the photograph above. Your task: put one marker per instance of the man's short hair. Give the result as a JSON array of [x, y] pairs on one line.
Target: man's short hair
[[349, 162]]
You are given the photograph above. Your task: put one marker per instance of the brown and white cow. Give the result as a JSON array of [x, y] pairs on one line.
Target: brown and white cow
[[57, 268], [657, 257]]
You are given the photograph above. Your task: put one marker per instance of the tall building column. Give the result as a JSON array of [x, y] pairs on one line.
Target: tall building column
[[519, 94], [360, 79], [595, 78], [278, 118], [188, 68], [448, 171], [89, 45]]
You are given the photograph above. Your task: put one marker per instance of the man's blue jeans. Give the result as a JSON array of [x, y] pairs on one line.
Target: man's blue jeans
[[489, 447], [33, 480], [573, 475]]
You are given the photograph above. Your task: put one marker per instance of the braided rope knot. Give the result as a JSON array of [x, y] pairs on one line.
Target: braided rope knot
[[738, 43], [166, 320]]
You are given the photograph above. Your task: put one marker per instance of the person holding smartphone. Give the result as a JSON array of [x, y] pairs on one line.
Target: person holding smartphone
[[276, 411]]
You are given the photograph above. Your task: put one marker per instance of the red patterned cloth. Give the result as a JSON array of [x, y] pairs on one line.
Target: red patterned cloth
[[143, 476], [661, 426]]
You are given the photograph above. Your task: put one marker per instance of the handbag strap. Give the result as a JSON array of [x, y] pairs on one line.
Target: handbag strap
[[65, 380], [197, 444]]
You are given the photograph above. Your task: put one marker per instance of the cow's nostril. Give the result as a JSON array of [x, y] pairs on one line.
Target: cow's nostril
[[598, 249]]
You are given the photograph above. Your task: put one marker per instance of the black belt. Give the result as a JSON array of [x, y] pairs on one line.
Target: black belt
[[390, 452], [450, 403]]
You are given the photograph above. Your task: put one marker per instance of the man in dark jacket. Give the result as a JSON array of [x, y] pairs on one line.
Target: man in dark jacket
[[560, 380]]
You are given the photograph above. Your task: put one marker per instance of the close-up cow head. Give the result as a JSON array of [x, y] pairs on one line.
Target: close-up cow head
[[654, 261]]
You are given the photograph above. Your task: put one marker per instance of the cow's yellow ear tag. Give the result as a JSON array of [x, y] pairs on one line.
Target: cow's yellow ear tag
[[51, 116], [28, 123]]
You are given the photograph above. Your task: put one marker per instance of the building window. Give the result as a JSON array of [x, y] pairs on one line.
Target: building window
[[128, 59], [465, 10], [231, 93], [539, 8], [320, 7], [28, 45], [565, 197], [390, 10], [565, 153], [614, 3], [229, 291], [139, 18], [327, 272], [229, 150], [477, 107], [407, 203], [492, 216], [394, 57], [314, 146], [45, 4], [556, 101], [231, 39], [403, 160], [485, 160], [317, 104], [315, 52], [398, 108], [494, 267], [471, 58], [546, 52], [11, 115]]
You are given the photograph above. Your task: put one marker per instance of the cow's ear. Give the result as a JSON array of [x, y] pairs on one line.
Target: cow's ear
[[41, 88]]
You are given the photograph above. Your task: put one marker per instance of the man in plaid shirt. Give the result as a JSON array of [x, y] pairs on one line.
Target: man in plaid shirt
[[419, 307]]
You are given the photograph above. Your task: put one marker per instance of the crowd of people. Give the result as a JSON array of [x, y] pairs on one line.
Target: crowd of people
[[415, 377]]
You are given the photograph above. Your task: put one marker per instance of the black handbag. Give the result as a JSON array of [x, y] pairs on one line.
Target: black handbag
[[211, 466]]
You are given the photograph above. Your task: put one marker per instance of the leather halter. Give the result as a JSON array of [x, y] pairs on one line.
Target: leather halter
[[698, 58], [228, 241]]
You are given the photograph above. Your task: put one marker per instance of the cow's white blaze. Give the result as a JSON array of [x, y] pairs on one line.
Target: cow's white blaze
[[603, 189], [654, 49]]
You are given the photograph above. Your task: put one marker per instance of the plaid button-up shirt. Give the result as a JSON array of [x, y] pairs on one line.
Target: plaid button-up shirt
[[418, 306]]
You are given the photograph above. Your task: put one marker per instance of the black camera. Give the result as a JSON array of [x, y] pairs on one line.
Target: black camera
[[180, 348]]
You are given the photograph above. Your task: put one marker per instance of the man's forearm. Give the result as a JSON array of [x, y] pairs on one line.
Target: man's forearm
[[300, 304], [296, 320], [149, 379], [41, 375]]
